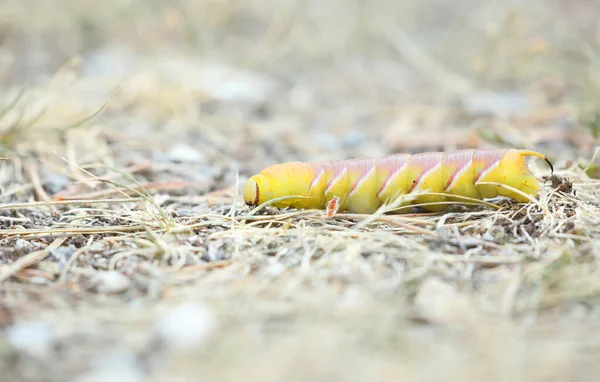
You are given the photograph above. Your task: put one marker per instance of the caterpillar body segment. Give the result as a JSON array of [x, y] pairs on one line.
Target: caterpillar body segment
[[363, 185]]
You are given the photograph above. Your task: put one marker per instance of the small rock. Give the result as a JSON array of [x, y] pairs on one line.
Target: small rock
[[185, 153], [63, 254], [275, 269], [187, 325], [499, 104], [217, 80], [22, 244], [38, 280], [97, 247], [216, 252], [56, 182], [110, 282], [34, 338]]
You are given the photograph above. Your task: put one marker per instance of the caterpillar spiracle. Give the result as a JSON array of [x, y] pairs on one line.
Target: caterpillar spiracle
[[363, 185]]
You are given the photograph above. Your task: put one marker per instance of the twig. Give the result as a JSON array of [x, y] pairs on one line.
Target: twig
[[13, 220]]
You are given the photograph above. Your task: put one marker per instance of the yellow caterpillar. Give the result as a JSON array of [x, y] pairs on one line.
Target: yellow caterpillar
[[363, 185]]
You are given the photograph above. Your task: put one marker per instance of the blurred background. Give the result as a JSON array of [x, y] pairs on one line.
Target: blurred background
[[235, 85]]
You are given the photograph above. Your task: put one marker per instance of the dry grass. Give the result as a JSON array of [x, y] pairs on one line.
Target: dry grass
[[127, 129]]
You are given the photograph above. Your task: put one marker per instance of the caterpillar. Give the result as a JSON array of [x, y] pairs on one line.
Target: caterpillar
[[363, 185]]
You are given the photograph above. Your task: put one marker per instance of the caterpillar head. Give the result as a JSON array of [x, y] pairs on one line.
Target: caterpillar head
[[257, 190]]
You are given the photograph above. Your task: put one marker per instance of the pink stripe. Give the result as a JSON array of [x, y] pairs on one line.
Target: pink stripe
[[319, 172], [460, 159], [488, 156], [338, 168], [364, 166], [425, 162], [393, 164]]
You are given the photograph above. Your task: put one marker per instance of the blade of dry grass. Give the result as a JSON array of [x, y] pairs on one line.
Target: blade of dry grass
[[529, 197], [70, 231], [20, 206]]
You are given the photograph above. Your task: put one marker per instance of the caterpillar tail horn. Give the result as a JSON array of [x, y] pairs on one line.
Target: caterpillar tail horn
[[525, 153]]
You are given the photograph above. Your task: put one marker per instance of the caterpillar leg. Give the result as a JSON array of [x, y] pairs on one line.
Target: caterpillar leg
[[333, 206]]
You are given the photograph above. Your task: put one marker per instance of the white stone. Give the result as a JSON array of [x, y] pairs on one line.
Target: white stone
[[187, 325], [111, 282], [33, 338]]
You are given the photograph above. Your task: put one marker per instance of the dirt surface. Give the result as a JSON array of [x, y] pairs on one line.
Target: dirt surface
[[128, 128]]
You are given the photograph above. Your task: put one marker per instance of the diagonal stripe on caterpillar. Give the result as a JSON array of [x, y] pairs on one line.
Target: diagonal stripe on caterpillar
[[363, 185]]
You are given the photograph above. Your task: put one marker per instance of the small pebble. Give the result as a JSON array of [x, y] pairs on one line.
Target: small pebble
[[110, 282], [55, 182], [184, 153], [34, 338], [63, 253], [187, 325], [22, 244], [498, 104], [275, 269]]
